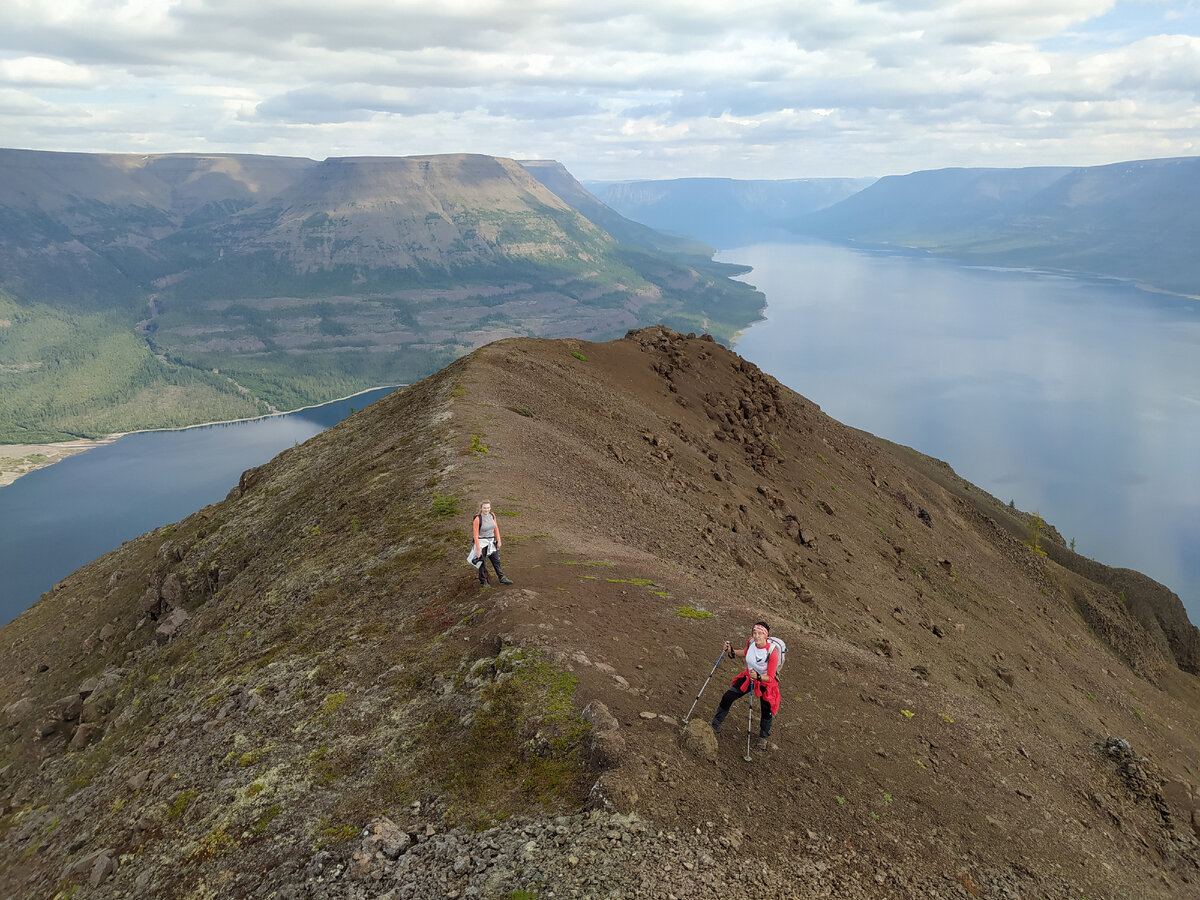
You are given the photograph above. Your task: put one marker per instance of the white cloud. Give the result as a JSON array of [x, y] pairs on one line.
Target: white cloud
[[41, 72], [624, 89]]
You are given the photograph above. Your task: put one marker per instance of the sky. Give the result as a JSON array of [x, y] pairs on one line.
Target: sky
[[620, 90]]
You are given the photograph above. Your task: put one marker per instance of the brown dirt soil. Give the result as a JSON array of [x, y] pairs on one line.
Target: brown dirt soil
[[947, 695], [943, 700]]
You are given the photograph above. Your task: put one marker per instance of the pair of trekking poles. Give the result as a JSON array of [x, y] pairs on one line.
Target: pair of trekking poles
[[749, 713]]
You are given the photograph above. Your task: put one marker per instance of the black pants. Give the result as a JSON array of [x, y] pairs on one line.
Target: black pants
[[764, 722], [494, 556]]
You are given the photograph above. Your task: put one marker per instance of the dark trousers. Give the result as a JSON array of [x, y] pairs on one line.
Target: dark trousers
[[494, 556], [764, 722]]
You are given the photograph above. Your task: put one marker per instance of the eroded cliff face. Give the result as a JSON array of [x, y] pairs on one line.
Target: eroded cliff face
[[301, 691]]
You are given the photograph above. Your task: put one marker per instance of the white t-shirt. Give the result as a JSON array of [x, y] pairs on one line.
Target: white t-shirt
[[756, 658]]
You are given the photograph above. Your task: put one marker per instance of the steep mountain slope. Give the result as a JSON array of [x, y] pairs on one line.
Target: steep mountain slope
[[554, 176], [727, 212], [234, 285], [79, 229], [300, 691], [1132, 220]]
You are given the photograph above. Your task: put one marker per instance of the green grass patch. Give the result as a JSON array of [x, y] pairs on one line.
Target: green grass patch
[[214, 844], [579, 356], [263, 822], [688, 612], [180, 804], [332, 702], [445, 505], [524, 744]]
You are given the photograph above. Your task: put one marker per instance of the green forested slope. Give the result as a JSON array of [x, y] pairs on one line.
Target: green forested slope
[[152, 291], [70, 375]]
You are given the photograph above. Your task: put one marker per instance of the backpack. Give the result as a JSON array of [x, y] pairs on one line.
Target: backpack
[[779, 645]]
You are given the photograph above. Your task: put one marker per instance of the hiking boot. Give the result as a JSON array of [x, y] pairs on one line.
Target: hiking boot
[[716, 727], [504, 579], [483, 585], [762, 744]]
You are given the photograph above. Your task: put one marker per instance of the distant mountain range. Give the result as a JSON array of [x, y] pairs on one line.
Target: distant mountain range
[[725, 212], [255, 283], [1136, 220]]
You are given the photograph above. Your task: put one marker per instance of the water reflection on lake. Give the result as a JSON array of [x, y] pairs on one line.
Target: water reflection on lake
[[54, 520], [1075, 397]]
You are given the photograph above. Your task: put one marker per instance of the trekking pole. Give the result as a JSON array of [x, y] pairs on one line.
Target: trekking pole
[[702, 687], [749, 717]]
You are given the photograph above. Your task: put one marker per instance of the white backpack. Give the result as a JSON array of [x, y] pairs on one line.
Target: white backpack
[[782, 648]]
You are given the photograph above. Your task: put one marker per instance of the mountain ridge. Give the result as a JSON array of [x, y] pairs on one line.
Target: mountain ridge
[[1130, 220], [301, 691]]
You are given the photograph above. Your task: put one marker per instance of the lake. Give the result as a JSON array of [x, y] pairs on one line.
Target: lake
[[1075, 397], [54, 520], [1078, 398]]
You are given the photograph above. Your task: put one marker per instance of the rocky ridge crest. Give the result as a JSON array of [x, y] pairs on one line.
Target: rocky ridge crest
[[300, 691]]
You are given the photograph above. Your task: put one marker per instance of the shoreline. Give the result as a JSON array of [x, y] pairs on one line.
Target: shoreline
[[21, 459]]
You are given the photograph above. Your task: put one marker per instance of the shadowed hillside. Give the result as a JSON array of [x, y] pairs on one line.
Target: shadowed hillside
[[301, 692]]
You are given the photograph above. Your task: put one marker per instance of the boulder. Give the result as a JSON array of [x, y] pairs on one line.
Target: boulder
[[170, 626], [384, 836], [171, 592], [102, 869], [602, 720], [69, 707], [18, 711], [700, 740], [84, 735], [149, 600]]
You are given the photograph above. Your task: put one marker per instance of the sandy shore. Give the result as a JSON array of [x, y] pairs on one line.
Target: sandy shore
[[21, 459]]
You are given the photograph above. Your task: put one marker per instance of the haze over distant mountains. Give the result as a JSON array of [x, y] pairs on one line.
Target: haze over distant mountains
[[1135, 220], [726, 212]]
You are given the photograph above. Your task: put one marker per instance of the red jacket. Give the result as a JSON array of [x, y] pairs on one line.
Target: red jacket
[[768, 688]]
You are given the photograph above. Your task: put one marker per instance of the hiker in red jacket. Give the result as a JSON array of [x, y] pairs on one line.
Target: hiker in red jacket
[[762, 659]]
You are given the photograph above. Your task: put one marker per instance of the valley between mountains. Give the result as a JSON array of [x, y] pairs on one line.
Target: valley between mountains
[[301, 691]]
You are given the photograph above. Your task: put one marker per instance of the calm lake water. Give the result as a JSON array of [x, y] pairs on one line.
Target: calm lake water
[[54, 520], [1075, 397]]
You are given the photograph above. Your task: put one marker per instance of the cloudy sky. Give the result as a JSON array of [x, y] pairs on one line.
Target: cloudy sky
[[629, 89]]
